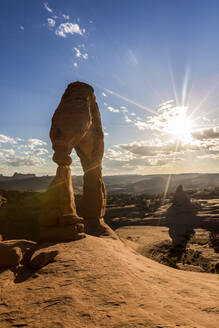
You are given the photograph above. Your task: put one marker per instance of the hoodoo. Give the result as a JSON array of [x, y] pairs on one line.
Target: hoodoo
[[181, 218]]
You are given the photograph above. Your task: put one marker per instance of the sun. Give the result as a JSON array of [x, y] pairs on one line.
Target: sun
[[179, 124]]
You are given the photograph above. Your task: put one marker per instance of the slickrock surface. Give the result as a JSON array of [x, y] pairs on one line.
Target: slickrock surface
[[101, 282]]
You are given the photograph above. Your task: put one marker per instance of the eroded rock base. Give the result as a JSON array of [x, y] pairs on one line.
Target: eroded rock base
[[62, 233], [98, 227]]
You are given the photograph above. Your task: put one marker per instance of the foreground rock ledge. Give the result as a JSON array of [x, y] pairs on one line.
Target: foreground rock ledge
[[101, 282]]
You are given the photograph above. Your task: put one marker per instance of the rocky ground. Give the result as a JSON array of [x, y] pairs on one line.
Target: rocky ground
[[155, 243], [101, 282], [149, 236]]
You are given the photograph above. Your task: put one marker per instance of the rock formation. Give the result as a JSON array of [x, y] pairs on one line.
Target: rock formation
[[19, 253], [76, 124], [13, 252], [181, 218]]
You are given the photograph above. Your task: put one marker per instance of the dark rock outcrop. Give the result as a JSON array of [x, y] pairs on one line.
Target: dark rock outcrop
[[181, 218]]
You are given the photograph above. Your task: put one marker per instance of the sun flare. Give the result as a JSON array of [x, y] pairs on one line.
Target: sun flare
[[179, 124]]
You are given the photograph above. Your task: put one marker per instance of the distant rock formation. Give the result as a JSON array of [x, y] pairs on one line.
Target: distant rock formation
[[181, 218], [76, 124], [23, 176]]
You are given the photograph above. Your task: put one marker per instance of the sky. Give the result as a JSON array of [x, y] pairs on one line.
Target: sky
[[154, 68]]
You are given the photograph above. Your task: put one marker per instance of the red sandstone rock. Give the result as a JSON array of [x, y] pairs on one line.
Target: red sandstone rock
[[76, 123]]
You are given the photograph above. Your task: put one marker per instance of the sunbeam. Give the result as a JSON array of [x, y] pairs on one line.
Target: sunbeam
[[125, 98]]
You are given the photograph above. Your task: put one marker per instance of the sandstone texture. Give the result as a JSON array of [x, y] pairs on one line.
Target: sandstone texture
[[41, 258], [76, 124], [101, 282]]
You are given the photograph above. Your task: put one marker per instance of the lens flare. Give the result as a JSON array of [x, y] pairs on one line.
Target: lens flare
[[180, 125]]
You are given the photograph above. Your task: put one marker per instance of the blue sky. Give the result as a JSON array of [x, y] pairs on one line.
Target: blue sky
[[154, 67]]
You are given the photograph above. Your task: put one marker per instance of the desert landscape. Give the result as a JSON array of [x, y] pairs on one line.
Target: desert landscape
[[125, 286], [109, 164]]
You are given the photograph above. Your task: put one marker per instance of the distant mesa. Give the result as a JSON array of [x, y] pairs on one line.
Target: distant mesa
[[17, 176], [23, 176]]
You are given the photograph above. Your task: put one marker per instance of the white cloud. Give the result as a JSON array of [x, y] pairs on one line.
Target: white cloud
[[141, 125], [124, 109], [113, 110], [47, 7], [67, 17], [51, 22], [206, 133], [40, 151], [165, 113], [7, 152], [17, 161], [21, 27], [80, 55], [209, 156], [23, 152], [18, 139], [127, 119], [68, 28], [33, 142], [75, 64], [119, 159], [4, 139], [158, 148]]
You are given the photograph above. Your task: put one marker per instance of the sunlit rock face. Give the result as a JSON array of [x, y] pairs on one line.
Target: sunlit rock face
[[76, 124], [181, 218]]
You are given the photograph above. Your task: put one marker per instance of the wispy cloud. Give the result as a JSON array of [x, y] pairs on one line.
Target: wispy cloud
[[47, 7], [132, 57], [18, 161], [79, 54], [158, 148], [209, 156], [67, 17], [21, 27], [117, 160], [113, 110]]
